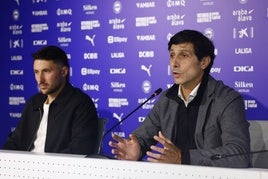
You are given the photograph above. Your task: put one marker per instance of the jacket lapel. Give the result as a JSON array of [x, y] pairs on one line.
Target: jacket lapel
[[202, 112]]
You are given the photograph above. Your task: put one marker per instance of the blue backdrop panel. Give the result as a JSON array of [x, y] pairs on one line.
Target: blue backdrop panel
[[118, 51]]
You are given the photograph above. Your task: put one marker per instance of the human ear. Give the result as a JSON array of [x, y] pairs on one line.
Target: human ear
[[205, 62], [64, 71]]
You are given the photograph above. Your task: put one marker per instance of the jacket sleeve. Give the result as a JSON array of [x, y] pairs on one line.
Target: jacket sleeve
[[23, 134], [150, 127], [10, 143]]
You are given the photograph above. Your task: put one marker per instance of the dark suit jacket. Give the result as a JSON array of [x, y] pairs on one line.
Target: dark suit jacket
[[221, 126]]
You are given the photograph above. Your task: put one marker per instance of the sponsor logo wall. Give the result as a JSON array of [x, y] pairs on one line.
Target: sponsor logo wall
[[118, 51]]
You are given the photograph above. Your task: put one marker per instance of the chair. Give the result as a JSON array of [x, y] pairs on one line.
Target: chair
[[101, 131], [100, 135]]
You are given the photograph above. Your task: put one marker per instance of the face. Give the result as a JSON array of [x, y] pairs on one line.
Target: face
[[186, 68], [49, 76]]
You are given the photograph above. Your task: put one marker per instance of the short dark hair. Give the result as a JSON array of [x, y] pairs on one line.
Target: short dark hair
[[202, 45], [53, 53]]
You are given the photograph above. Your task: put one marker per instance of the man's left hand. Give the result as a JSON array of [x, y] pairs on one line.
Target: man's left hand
[[169, 153]]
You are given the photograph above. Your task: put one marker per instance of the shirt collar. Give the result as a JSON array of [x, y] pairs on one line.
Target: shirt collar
[[191, 96]]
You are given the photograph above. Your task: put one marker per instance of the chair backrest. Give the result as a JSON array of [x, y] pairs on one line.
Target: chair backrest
[[259, 142], [101, 131]]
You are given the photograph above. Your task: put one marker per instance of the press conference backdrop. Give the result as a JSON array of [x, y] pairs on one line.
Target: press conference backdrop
[[118, 51]]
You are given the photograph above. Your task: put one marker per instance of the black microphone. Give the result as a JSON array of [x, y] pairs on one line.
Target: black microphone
[[157, 92], [99, 155], [221, 156]]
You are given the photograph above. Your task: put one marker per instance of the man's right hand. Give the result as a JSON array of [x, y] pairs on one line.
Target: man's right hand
[[125, 149]]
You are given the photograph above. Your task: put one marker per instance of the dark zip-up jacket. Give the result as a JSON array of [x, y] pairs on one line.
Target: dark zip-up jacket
[[71, 127]]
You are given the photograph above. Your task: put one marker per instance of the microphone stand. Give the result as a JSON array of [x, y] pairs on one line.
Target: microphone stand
[[99, 155], [114, 126], [221, 156]]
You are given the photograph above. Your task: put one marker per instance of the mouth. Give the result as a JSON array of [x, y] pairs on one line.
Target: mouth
[[176, 74], [42, 86]]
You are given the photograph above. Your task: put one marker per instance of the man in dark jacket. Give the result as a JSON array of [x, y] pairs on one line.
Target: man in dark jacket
[[59, 119], [197, 120]]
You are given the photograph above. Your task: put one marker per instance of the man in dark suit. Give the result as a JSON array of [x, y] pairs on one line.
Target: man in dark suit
[[198, 117]]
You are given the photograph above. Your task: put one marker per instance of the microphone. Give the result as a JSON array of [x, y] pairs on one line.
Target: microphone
[[221, 156], [157, 92], [99, 155]]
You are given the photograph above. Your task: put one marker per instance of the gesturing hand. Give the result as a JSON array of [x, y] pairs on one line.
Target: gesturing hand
[[169, 153], [125, 149]]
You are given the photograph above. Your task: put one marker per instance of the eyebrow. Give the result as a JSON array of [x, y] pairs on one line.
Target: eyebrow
[[184, 50]]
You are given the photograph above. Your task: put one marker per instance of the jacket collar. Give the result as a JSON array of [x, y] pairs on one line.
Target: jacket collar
[[41, 98], [172, 92]]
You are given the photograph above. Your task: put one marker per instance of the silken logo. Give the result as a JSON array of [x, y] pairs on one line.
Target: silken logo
[[118, 86], [90, 9]]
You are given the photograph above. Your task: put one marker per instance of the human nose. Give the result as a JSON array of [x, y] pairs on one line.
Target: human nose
[[174, 62], [39, 77]]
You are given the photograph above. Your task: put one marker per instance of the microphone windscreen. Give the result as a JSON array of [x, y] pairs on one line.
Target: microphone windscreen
[[157, 92]]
